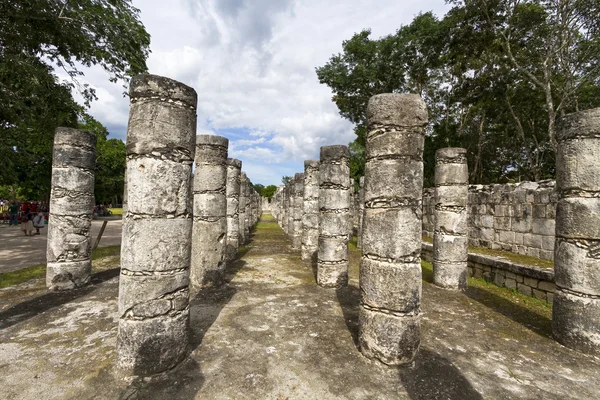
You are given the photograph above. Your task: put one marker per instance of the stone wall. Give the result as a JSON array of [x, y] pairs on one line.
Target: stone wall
[[531, 281], [512, 217]]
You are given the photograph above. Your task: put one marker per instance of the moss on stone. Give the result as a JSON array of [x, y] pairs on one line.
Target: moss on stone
[[513, 257], [16, 277]]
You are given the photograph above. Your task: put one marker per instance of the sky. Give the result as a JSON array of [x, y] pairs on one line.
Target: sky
[[252, 63]]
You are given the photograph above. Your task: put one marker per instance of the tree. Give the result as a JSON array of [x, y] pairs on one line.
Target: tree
[[37, 36], [495, 75], [110, 163], [285, 179], [269, 191], [259, 188]]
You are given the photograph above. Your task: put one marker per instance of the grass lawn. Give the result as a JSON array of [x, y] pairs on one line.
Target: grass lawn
[[38, 271]]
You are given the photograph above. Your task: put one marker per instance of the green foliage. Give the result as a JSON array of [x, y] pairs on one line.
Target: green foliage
[[110, 163], [35, 37], [494, 75], [269, 191], [285, 179], [258, 187]]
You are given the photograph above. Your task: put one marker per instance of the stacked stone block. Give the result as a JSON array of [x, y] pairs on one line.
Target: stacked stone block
[[576, 310], [233, 207], [334, 213], [291, 207], [450, 239], [511, 217], [210, 212], [69, 248], [361, 210], [310, 215], [298, 210], [157, 230], [243, 236], [390, 271]]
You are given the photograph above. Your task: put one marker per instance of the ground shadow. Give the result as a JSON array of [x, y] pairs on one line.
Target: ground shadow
[[30, 308], [435, 377], [349, 299], [540, 324]]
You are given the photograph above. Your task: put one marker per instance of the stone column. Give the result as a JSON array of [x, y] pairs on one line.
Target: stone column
[[390, 270], [576, 306], [157, 230], [209, 236], [233, 207], [298, 209], [292, 199], [352, 211], [243, 236], [334, 212], [450, 237], [69, 246], [248, 219], [310, 215], [286, 207], [361, 210]]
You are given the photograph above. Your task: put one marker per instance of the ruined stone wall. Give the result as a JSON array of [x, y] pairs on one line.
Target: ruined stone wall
[[531, 281], [512, 217]]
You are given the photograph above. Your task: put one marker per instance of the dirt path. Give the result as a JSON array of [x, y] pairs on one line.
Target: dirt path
[[271, 333], [19, 251]]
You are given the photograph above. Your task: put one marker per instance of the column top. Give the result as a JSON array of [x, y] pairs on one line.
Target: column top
[[397, 109], [212, 140], [234, 162], [74, 137], [334, 153], [159, 87], [579, 125], [311, 164], [451, 155]]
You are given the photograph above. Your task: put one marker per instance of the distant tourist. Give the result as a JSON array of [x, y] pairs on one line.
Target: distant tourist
[[14, 214], [27, 224], [38, 222]]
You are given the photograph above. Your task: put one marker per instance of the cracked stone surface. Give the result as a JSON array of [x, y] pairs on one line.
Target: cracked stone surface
[[71, 202], [272, 333], [576, 313], [157, 229], [450, 236], [390, 273]]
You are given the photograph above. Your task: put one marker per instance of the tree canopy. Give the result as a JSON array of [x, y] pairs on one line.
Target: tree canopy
[[36, 37], [495, 74], [269, 191]]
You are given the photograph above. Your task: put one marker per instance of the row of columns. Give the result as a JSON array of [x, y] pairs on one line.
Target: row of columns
[[181, 226], [390, 220], [178, 236]]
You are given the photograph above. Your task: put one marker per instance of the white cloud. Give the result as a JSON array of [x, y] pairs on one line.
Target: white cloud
[[252, 63]]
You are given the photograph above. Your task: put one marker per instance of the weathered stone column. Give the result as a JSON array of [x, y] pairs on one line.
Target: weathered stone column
[[292, 200], [248, 219], [361, 210], [286, 207], [450, 236], [69, 248], [310, 215], [243, 237], [390, 270], [209, 235], [351, 209], [576, 306], [233, 207], [298, 210], [157, 230], [334, 212]]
